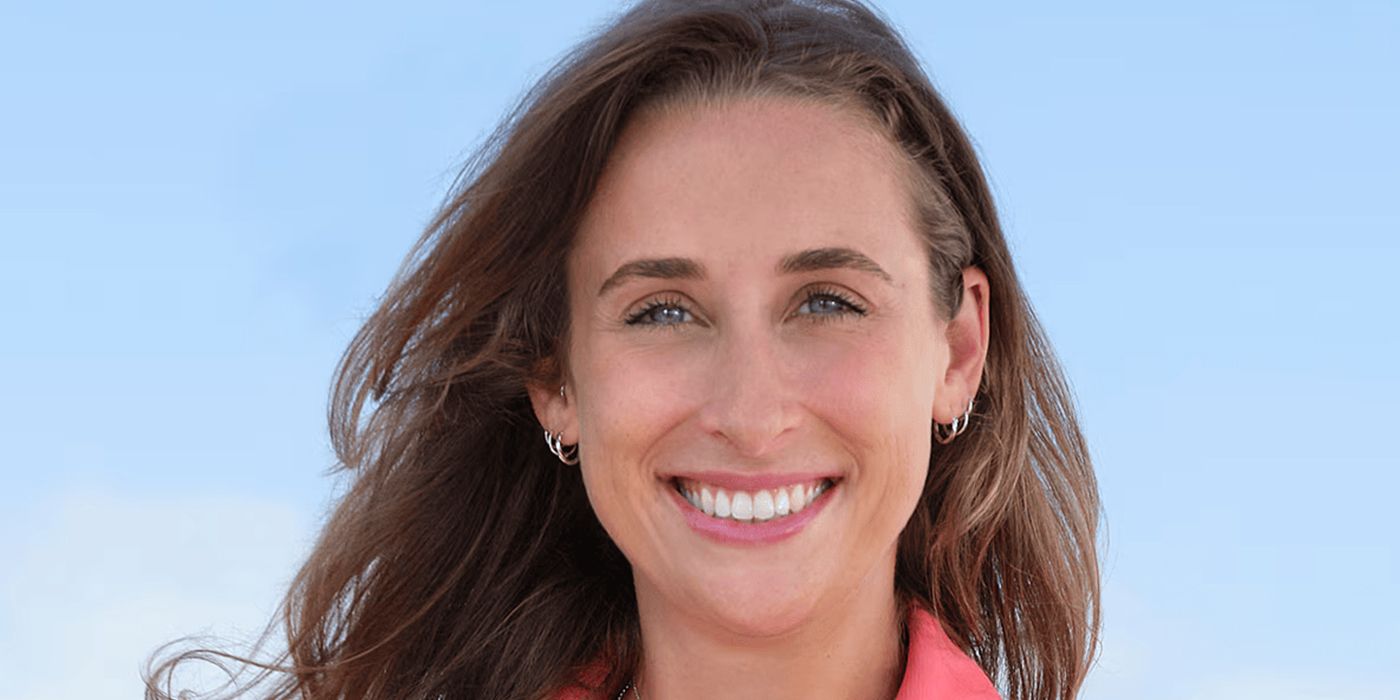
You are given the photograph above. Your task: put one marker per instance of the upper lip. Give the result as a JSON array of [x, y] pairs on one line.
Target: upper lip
[[750, 481]]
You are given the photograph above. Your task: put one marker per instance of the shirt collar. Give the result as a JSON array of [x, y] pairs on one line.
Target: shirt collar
[[936, 669]]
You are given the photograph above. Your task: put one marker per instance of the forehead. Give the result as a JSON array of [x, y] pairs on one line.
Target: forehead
[[746, 181]]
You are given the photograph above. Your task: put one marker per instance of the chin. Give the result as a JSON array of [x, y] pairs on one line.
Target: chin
[[757, 605]]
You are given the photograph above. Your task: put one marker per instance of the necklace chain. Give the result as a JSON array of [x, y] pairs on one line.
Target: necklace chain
[[632, 687]]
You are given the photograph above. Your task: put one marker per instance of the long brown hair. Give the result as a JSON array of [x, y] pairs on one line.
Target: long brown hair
[[464, 561]]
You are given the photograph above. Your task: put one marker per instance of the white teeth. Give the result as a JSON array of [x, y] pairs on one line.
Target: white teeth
[[742, 506], [721, 504], [763, 506], [799, 500], [752, 506]]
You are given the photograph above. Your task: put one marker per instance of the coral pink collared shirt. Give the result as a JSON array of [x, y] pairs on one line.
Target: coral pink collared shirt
[[936, 669]]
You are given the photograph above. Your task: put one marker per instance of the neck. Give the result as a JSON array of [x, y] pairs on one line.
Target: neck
[[847, 650]]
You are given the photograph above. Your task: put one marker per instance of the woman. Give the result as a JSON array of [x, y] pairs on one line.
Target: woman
[[804, 436]]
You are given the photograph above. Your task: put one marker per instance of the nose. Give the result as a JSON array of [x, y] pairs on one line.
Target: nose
[[750, 404]]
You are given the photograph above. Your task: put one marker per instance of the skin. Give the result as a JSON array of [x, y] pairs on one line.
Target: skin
[[746, 371]]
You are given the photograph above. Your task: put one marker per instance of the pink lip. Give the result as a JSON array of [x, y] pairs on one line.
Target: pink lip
[[733, 532], [753, 482]]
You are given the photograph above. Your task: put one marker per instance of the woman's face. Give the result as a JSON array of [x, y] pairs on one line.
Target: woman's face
[[752, 325]]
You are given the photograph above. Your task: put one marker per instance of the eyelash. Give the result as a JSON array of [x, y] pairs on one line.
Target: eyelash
[[848, 307]]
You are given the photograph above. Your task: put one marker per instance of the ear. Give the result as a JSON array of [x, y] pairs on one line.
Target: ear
[[557, 412], [967, 335]]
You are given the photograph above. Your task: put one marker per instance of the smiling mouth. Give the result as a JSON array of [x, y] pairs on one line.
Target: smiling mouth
[[752, 506]]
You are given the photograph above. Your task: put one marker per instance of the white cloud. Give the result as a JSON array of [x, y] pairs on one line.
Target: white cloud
[[97, 580], [1149, 654]]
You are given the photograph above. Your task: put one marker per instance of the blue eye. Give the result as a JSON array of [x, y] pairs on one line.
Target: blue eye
[[829, 303], [662, 312], [823, 304]]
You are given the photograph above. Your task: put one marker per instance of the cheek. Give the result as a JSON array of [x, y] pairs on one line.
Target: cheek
[[629, 400], [633, 395], [879, 383], [876, 393], [635, 401]]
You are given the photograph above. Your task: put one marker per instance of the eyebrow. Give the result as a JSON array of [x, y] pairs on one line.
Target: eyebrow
[[810, 260]]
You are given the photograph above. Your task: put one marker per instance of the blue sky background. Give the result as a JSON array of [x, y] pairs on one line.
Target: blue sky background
[[199, 202]]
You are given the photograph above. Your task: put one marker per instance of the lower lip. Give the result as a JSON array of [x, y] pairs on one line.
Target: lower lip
[[730, 531]]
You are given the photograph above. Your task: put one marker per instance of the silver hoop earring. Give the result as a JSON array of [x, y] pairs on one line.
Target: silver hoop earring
[[946, 433], [555, 445]]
